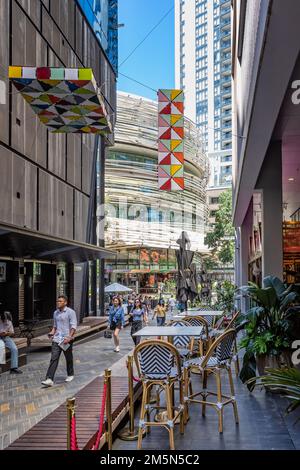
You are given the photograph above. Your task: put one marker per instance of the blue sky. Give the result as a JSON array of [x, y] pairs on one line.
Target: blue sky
[[153, 62]]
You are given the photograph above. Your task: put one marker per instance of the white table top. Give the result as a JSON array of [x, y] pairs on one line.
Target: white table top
[[169, 331], [199, 313]]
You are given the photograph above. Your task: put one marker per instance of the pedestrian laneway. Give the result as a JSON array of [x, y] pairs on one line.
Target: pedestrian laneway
[[24, 401]]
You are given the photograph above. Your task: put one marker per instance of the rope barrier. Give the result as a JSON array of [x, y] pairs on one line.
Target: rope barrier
[[74, 444], [133, 378], [96, 445]]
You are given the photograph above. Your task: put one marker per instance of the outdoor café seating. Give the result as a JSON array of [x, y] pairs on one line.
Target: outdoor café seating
[[230, 325], [184, 344], [218, 358], [158, 363], [202, 342]]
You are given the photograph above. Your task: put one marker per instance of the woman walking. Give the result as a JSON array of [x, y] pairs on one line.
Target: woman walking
[[116, 321], [138, 315], [160, 313]]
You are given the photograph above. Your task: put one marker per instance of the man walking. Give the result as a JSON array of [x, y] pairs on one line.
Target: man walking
[[62, 334], [171, 304]]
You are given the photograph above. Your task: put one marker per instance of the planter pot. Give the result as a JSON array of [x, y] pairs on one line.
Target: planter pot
[[264, 361]]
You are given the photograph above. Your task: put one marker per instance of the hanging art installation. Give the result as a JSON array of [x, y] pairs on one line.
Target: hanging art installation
[[171, 140], [66, 100]]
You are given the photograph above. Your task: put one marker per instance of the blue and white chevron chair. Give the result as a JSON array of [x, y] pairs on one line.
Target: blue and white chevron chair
[[158, 363], [184, 344], [202, 342], [218, 357], [209, 318], [232, 324]]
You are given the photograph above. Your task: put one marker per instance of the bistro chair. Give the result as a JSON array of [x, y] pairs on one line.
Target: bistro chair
[[183, 344], [231, 325], [158, 363], [203, 340], [218, 357], [209, 318]]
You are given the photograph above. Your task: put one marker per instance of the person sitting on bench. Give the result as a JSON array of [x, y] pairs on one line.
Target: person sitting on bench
[[6, 332]]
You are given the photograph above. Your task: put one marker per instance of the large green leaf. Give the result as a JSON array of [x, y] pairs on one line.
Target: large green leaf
[[248, 370], [267, 297], [275, 283], [289, 299]]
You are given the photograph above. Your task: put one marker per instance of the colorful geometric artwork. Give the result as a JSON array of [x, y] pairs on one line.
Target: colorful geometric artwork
[[65, 100], [170, 140]]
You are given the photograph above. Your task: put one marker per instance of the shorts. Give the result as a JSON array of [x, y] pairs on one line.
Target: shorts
[[114, 326], [160, 321]]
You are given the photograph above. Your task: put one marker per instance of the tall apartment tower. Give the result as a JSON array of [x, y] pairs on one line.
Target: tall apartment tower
[[203, 71]]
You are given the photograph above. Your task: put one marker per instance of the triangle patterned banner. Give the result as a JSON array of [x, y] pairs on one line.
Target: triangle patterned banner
[[170, 140], [65, 100]]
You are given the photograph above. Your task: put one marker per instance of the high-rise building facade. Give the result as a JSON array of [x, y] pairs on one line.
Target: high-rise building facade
[[143, 223], [203, 71]]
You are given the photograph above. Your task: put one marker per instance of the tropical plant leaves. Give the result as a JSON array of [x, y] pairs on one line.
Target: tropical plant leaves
[[275, 283], [286, 381], [248, 371]]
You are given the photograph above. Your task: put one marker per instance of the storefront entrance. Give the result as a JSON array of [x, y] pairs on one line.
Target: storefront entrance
[[9, 288], [40, 291]]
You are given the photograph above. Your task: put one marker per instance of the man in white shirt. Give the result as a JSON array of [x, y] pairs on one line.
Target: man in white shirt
[[62, 334], [6, 332], [171, 304]]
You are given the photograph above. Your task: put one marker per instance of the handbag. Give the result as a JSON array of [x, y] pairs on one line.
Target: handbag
[[108, 333]]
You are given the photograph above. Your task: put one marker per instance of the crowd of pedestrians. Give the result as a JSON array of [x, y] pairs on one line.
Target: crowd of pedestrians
[[140, 310]]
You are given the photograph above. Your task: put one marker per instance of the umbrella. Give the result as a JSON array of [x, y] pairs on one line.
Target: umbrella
[[116, 288], [187, 275]]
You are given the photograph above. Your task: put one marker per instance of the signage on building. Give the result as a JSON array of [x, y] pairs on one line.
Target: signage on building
[[171, 140]]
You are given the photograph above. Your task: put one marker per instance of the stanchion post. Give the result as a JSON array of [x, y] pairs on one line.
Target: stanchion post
[[70, 414], [130, 390], [129, 434], [107, 378]]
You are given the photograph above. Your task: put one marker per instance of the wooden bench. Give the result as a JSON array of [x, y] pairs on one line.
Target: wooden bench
[[21, 344], [51, 432]]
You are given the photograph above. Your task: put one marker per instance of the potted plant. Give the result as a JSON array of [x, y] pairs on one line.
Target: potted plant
[[267, 326]]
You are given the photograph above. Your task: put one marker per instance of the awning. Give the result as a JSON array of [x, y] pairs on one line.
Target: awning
[[26, 244]]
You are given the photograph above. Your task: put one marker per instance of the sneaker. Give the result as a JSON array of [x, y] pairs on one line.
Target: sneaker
[[117, 349], [69, 378], [47, 382], [16, 371]]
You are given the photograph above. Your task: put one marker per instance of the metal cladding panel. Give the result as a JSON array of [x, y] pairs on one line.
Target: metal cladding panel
[[170, 140]]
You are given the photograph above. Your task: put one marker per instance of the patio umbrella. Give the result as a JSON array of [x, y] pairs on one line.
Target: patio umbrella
[[118, 288], [187, 275]]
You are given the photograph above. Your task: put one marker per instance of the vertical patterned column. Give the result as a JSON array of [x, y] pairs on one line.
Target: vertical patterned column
[[171, 139]]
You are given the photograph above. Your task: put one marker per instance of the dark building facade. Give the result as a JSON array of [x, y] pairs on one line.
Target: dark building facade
[[48, 182]]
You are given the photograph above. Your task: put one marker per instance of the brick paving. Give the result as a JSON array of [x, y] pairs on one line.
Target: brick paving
[[24, 401]]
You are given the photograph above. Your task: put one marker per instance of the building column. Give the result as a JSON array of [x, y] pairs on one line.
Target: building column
[[270, 184], [243, 234]]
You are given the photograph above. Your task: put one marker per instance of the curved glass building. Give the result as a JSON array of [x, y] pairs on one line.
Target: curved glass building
[[142, 222]]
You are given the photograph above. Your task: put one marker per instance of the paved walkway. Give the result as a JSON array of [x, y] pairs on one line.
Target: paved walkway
[[24, 401]]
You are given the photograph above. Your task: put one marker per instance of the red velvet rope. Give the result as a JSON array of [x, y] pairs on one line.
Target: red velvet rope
[[74, 444], [96, 445], [133, 378]]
